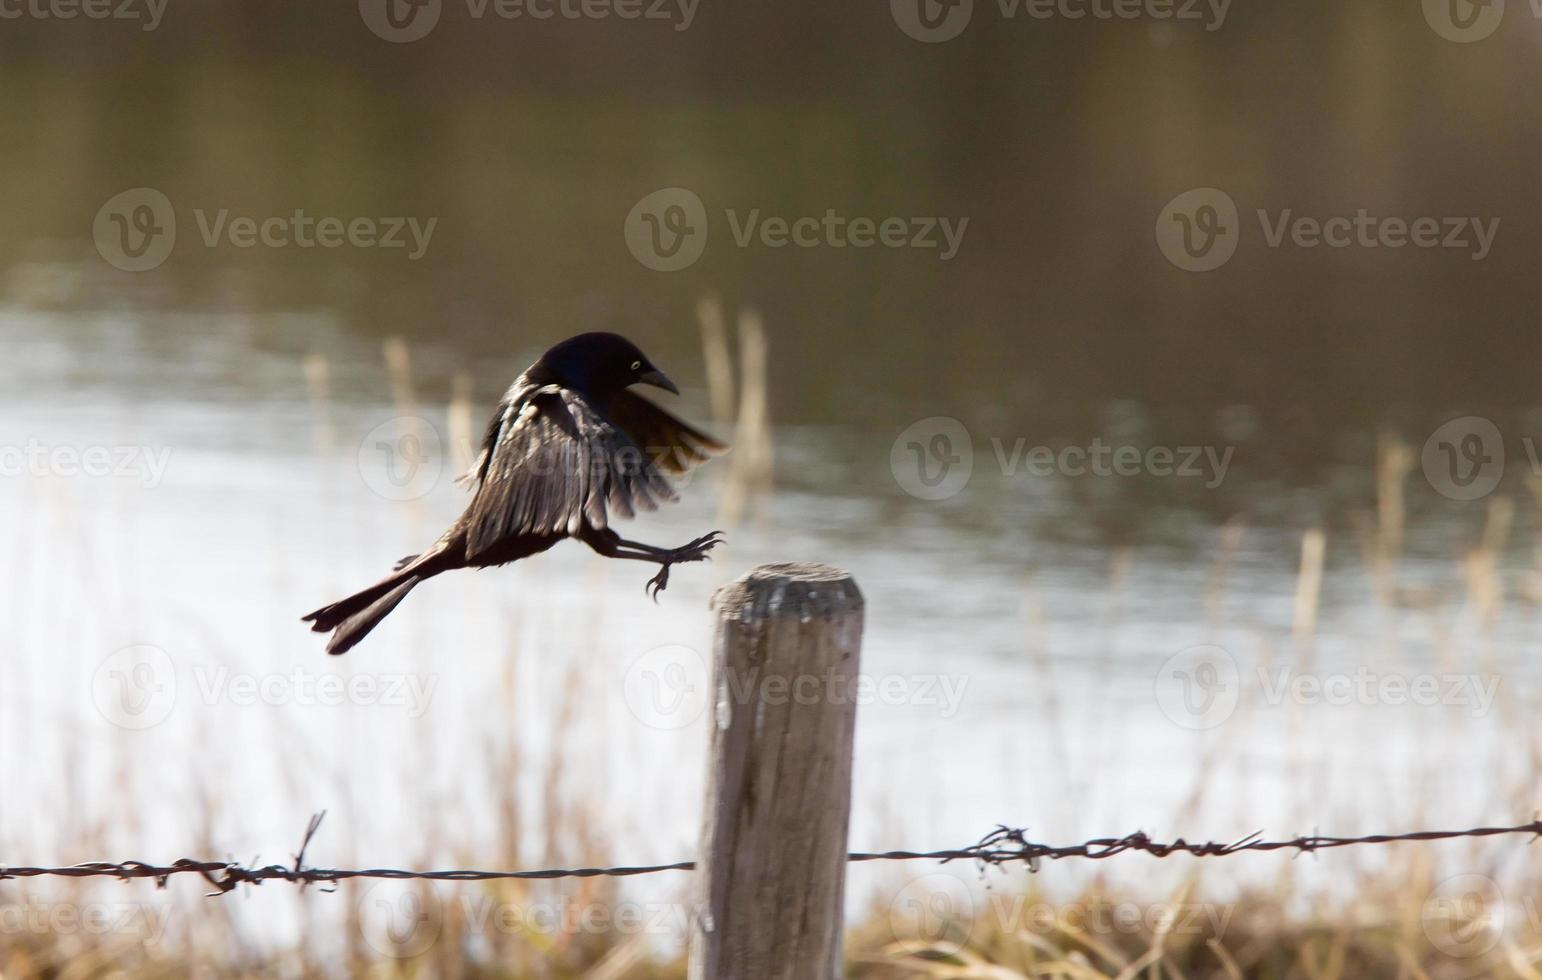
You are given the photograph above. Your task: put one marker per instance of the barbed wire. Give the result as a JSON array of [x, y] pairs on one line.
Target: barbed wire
[[1004, 845]]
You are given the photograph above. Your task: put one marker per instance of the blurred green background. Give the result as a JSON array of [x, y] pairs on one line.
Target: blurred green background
[[1059, 140]]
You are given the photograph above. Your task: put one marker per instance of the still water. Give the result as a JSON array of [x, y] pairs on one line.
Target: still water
[[158, 689]]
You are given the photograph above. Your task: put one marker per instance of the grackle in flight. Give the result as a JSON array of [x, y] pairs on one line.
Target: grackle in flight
[[568, 448]]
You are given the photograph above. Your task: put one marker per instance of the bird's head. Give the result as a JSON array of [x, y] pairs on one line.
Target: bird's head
[[602, 364]]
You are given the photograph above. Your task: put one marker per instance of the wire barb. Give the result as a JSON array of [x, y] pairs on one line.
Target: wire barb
[[1003, 845]]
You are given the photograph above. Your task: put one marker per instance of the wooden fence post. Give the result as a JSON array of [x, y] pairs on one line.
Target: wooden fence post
[[771, 868]]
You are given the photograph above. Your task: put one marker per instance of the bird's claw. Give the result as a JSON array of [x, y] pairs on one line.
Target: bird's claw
[[656, 583], [695, 551], [703, 544]]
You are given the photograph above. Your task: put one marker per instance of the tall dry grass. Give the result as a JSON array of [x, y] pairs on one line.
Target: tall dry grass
[[1380, 925]]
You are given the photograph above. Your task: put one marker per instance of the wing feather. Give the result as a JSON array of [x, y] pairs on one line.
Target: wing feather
[[551, 464], [673, 446]]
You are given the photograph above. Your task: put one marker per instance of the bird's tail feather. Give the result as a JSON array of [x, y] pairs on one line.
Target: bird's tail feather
[[353, 618], [357, 627]]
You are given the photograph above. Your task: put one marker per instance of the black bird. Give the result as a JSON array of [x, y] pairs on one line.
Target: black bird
[[568, 448]]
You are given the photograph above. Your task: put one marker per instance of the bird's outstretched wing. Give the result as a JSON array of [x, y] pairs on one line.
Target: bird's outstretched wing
[[552, 463], [673, 445]]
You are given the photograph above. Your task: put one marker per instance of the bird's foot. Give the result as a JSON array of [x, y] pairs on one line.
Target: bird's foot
[[694, 551], [697, 550], [657, 583]]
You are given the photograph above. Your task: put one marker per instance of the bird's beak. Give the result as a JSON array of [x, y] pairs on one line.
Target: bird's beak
[[657, 379]]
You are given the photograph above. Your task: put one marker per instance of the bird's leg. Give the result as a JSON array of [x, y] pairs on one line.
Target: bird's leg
[[612, 545]]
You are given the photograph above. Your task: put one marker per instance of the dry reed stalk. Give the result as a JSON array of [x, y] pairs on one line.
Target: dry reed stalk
[[1394, 461], [318, 385], [1308, 590], [1484, 588], [719, 363], [463, 446], [398, 358], [1220, 570], [750, 477]]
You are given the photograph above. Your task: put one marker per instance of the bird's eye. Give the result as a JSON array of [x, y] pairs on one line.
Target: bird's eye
[[637, 365]]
